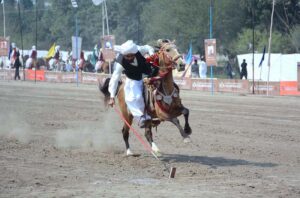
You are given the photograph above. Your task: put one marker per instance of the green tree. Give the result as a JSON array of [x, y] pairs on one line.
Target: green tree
[[280, 44]]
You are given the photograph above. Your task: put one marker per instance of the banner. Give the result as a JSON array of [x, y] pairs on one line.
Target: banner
[[4, 46], [108, 44], [210, 52], [38, 75], [76, 47]]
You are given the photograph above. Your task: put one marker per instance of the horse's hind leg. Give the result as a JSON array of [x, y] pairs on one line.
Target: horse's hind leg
[[125, 132], [187, 128], [186, 137]]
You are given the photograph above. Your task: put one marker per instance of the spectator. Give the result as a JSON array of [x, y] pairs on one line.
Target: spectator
[[244, 70], [202, 68], [195, 69], [229, 70]]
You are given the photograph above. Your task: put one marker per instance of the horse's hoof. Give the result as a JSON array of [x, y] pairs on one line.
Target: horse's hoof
[[157, 153], [155, 150], [187, 139], [129, 153]]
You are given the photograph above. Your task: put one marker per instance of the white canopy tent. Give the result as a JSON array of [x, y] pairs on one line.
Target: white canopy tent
[[283, 66]]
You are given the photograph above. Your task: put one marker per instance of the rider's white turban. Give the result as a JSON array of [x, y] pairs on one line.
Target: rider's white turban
[[57, 48], [129, 47], [13, 45], [33, 47]]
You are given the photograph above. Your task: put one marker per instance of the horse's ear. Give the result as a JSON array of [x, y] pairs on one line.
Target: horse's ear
[[173, 42]]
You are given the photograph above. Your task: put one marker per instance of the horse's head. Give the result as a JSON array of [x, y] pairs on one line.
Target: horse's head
[[170, 55], [170, 49]]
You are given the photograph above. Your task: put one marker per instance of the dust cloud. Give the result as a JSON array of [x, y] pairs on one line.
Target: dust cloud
[[14, 127], [103, 135]]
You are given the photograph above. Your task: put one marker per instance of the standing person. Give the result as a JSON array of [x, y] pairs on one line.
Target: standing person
[[134, 65], [202, 68], [229, 70], [244, 69], [15, 60], [195, 69]]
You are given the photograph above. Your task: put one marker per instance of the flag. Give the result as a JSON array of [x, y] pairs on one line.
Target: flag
[[51, 52], [189, 56], [263, 57], [188, 60]]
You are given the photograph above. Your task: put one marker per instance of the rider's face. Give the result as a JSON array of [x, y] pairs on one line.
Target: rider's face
[[129, 57]]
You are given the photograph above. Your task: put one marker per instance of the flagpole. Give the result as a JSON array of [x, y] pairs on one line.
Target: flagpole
[[270, 41], [107, 28], [210, 36], [35, 62], [3, 18], [252, 47], [21, 31]]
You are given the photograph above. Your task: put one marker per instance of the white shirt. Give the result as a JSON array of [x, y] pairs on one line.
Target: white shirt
[[202, 69]]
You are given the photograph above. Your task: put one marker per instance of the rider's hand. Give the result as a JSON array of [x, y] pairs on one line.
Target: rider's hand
[[111, 102], [146, 80]]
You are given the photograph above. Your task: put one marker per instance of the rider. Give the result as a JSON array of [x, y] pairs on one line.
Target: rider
[[30, 63], [134, 65], [81, 60], [57, 54], [100, 61], [13, 54]]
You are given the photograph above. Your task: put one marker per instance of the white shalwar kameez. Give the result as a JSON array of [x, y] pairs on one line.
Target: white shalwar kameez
[[133, 90]]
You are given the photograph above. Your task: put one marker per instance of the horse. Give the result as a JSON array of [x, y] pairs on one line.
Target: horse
[[102, 66], [55, 65], [162, 98]]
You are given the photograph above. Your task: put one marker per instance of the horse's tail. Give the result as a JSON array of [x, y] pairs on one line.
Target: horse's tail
[[103, 87]]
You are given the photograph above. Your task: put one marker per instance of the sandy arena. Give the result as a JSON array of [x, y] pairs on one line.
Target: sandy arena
[[58, 140]]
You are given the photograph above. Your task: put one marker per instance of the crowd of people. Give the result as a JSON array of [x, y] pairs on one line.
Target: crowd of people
[[55, 63]]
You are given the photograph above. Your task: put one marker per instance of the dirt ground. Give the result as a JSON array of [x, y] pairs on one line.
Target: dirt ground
[[58, 140]]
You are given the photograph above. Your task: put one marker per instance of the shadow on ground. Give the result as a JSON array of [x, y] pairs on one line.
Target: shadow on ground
[[213, 162]]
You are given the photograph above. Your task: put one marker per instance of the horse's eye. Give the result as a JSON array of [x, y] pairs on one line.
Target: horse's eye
[[168, 50]]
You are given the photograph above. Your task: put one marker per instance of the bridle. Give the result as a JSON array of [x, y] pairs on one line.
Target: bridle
[[169, 62]]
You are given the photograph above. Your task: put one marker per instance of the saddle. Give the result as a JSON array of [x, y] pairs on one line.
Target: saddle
[[153, 94]]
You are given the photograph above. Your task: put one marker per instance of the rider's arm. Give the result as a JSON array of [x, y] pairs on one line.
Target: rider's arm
[[113, 83]]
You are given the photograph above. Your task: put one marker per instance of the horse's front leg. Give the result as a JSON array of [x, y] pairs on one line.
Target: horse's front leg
[[187, 128], [149, 137]]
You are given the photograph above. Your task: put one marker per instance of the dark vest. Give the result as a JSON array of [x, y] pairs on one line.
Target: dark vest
[[135, 72]]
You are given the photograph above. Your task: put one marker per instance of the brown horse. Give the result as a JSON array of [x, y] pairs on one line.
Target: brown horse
[[162, 98]]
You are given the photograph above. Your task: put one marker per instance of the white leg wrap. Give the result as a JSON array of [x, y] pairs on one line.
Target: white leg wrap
[[128, 152], [155, 148], [187, 139]]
